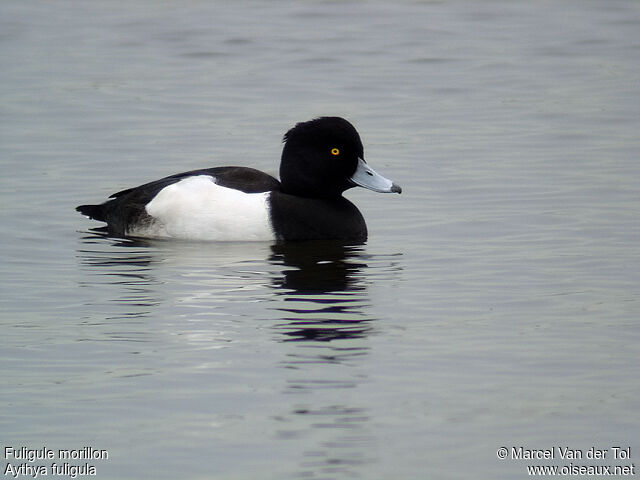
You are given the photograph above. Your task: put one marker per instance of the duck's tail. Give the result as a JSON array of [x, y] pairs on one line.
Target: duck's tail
[[92, 211]]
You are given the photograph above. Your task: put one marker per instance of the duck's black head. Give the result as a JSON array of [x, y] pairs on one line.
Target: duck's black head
[[324, 157]]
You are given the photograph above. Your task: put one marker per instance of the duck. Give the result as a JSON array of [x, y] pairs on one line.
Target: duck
[[321, 159]]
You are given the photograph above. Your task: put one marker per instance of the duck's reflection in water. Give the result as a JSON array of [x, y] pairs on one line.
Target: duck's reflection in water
[[312, 295], [324, 305], [322, 290]]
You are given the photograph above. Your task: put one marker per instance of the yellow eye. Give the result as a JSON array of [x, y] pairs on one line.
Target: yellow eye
[[335, 151]]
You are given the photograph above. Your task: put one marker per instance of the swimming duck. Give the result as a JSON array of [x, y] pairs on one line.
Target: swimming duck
[[321, 159]]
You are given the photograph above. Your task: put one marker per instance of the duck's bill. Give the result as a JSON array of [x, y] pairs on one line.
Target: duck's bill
[[367, 177]]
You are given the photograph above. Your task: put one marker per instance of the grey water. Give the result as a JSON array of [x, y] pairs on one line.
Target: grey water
[[495, 304]]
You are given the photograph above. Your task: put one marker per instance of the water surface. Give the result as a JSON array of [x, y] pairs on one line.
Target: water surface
[[495, 304]]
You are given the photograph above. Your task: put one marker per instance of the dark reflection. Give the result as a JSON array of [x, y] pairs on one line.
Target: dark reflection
[[323, 288], [318, 267], [325, 311]]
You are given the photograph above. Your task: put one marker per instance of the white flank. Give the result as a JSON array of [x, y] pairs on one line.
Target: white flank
[[196, 208]]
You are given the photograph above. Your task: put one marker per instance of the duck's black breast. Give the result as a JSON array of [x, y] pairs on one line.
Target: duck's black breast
[[301, 218]]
